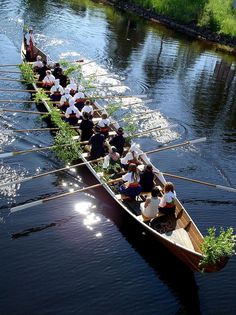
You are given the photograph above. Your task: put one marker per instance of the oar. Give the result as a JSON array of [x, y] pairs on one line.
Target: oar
[[178, 145], [158, 128], [230, 189], [66, 168], [41, 201], [90, 97], [5, 71], [26, 179], [14, 153], [10, 65], [84, 87], [26, 111]]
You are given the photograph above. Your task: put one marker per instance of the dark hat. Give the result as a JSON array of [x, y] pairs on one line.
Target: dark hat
[[97, 129], [114, 149], [120, 130]]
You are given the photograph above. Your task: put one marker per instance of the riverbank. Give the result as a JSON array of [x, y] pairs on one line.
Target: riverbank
[[220, 42]]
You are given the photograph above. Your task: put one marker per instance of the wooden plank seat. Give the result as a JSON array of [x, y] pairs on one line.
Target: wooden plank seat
[[181, 237]]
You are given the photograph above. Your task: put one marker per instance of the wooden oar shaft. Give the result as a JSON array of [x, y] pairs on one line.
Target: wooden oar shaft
[[230, 189], [38, 202], [10, 65], [27, 91], [88, 98], [16, 101], [6, 71], [84, 87], [25, 111], [50, 172], [176, 145], [190, 179]]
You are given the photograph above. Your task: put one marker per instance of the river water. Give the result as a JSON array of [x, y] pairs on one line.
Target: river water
[[81, 254]]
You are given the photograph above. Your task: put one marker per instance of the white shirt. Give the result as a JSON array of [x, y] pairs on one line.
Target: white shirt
[[49, 79], [87, 109], [167, 198], [129, 156], [128, 177], [65, 98], [29, 37], [71, 109], [79, 95], [107, 158], [38, 64], [56, 88], [72, 86], [104, 123], [152, 208]]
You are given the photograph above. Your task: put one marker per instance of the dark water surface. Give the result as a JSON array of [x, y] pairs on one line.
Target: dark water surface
[[82, 255]]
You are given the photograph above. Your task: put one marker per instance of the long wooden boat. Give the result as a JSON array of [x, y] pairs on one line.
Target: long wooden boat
[[177, 233]]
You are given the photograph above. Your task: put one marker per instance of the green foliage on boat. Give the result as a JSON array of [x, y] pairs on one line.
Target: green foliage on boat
[[215, 248], [67, 148], [27, 72]]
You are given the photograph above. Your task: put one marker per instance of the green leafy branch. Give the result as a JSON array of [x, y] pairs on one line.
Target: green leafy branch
[[27, 72], [214, 247]]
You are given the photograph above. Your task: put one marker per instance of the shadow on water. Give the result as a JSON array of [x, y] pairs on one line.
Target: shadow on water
[[178, 277]]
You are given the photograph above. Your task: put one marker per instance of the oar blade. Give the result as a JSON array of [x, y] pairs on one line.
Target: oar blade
[[6, 155], [230, 189], [198, 140], [25, 206]]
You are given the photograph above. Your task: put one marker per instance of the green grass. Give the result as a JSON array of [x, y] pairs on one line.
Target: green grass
[[217, 15]]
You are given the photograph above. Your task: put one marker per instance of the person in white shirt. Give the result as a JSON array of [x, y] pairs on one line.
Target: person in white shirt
[[132, 156], [65, 100], [131, 187], [149, 208], [38, 64], [30, 43], [72, 86], [48, 80], [72, 113], [88, 109], [111, 161], [56, 91], [79, 98], [167, 203], [104, 124]]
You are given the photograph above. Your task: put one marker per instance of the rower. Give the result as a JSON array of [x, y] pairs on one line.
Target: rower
[[131, 187], [118, 141], [56, 91], [49, 80], [88, 109], [147, 178], [57, 68], [72, 86], [86, 127], [72, 114], [104, 124], [132, 156], [65, 100], [62, 77], [37, 64], [97, 144], [112, 161], [30, 43], [79, 99], [42, 71]]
